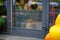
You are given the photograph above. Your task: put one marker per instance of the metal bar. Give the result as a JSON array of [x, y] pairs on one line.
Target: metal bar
[[11, 13], [45, 15], [8, 16]]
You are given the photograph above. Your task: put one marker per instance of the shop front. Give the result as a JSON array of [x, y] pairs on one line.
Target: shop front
[[31, 18]]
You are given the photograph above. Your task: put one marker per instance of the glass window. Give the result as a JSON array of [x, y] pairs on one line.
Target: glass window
[[3, 9], [54, 10], [27, 5], [27, 14], [3, 16]]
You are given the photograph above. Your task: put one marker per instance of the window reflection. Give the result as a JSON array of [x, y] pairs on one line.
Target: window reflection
[[27, 14], [29, 20], [54, 11], [3, 16], [28, 5], [3, 7]]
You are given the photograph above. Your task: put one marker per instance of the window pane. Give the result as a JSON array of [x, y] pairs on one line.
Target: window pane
[[3, 9], [54, 10], [27, 15], [27, 5], [3, 16]]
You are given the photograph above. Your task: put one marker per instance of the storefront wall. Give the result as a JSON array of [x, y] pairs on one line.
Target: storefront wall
[[41, 21]]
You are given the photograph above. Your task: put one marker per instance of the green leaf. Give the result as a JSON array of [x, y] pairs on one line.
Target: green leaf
[[2, 21]]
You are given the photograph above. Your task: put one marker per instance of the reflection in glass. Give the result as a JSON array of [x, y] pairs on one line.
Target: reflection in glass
[[54, 11], [3, 16], [27, 14], [3, 7], [27, 5]]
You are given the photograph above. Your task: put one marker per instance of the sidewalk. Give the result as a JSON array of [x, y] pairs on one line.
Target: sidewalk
[[10, 37]]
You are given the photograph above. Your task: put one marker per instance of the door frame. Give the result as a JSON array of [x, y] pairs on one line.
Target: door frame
[[45, 18]]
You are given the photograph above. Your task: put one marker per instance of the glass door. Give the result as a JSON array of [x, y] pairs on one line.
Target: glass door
[[27, 18]]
